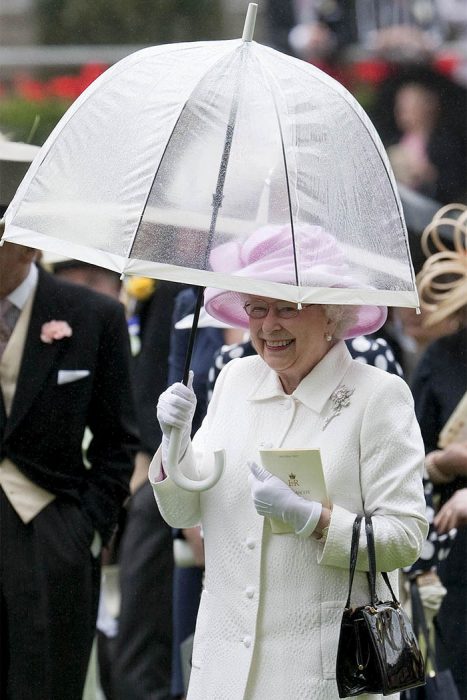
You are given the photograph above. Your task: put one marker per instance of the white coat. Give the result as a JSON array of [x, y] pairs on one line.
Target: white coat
[[270, 612]]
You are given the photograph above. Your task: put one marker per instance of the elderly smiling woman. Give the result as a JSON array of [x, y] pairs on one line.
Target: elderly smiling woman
[[270, 611]]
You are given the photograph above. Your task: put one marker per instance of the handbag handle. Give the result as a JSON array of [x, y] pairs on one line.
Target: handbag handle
[[370, 539], [353, 555]]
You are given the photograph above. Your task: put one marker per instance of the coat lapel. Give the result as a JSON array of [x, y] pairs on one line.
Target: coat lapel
[[38, 357], [2, 418]]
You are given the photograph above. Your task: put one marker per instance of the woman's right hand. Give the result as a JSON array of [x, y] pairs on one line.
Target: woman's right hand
[[175, 409]]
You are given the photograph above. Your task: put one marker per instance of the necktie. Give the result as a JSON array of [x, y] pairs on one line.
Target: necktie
[[7, 322]]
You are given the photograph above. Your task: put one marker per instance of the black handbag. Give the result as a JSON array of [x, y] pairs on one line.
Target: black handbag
[[440, 685], [378, 651]]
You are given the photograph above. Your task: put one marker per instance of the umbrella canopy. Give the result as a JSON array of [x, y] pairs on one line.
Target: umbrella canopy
[[174, 136], [182, 150]]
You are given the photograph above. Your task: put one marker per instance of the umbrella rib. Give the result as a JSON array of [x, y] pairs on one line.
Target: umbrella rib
[[369, 127], [266, 76], [216, 204], [229, 134]]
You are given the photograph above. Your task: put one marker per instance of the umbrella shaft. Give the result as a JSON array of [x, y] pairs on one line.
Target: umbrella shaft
[[191, 339]]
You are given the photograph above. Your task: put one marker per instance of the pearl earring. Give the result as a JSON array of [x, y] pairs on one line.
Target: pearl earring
[[328, 337]]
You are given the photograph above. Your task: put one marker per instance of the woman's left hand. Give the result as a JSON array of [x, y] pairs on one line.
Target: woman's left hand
[[274, 499]]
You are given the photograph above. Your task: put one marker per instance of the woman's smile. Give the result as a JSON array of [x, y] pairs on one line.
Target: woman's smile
[[277, 345]]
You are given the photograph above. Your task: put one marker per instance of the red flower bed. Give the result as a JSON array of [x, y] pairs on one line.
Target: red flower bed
[[65, 87]]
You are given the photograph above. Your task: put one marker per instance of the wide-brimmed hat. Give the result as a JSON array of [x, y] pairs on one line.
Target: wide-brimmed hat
[[268, 255], [15, 159]]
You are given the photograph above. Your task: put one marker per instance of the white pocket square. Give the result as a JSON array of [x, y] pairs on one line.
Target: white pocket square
[[65, 376]]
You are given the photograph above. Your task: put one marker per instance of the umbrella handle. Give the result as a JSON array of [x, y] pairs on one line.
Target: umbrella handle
[[174, 472]]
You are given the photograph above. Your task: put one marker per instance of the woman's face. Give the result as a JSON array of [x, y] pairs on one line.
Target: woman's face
[[292, 346], [416, 108]]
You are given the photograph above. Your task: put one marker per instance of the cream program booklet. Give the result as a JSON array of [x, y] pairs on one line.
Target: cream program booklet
[[300, 469], [455, 429]]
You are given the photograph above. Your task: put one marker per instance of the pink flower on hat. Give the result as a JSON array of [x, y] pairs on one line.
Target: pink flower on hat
[[55, 330]]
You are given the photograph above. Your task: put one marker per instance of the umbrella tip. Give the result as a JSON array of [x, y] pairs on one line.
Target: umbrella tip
[[249, 27]]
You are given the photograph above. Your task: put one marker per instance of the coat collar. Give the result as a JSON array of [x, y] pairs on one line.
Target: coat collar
[[314, 389]]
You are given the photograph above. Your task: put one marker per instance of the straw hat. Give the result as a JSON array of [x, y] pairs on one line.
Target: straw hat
[[442, 281]]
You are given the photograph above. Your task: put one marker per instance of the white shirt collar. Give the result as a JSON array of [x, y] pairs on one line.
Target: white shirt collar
[[314, 389], [21, 294]]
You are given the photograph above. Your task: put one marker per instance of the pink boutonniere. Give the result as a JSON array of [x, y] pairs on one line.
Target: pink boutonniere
[[55, 330]]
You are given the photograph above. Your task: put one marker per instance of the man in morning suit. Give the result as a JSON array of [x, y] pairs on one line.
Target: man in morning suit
[[64, 367]]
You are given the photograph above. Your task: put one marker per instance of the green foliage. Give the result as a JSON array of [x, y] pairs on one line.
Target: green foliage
[[30, 121], [365, 94], [128, 21]]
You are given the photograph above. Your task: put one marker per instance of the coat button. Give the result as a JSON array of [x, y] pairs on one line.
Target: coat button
[[246, 641], [250, 543], [249, 591]]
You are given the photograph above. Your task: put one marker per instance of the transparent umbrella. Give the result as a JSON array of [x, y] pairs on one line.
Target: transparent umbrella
[[179, 149]]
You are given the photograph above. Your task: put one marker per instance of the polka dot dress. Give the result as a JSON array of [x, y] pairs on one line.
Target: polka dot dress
[[376, 352]]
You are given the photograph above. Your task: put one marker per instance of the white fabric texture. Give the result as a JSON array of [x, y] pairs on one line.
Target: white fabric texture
[[270, 612]]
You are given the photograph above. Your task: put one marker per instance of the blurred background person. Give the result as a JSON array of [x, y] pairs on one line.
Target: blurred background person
[[439, 385], [134, 641], [316, 31], [64, 368], [331, 30], [98, 676], [410, 335], [421, 116], [141, 659], [98, 278]]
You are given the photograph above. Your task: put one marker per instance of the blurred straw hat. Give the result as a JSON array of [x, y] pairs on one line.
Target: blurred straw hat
[[15, 159], [442, 281]]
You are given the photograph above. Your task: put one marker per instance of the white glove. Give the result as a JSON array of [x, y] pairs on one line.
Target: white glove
[[274, 499], [175, 409]]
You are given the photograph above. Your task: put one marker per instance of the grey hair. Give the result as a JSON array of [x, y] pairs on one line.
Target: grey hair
[[343, 315]]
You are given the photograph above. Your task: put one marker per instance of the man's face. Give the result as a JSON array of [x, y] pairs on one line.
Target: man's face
[[15, 261]]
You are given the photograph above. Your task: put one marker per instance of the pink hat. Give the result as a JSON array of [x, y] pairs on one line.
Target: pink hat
[[268, 255]]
